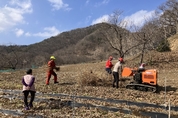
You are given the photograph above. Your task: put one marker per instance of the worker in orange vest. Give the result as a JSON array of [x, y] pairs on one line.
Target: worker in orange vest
[[51, 67], [109, 65]]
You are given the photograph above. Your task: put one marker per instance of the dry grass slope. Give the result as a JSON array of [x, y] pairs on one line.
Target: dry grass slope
[[90, 79]]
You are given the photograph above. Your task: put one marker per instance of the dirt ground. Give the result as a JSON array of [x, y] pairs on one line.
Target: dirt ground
[[69, 84]]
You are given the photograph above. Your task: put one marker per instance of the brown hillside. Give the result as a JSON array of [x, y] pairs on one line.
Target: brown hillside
[[70, 47], [159, 60], [76, 46]]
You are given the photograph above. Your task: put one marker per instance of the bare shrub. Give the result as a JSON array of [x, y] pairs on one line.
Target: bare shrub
[[90, 78], [87, 78]]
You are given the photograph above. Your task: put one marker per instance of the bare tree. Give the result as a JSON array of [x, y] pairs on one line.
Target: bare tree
[[115, 18], [169, 17], [135, 40], [120, 39]]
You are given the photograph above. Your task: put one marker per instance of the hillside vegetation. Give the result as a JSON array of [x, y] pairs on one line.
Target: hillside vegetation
[[75, 46], [90, 44]]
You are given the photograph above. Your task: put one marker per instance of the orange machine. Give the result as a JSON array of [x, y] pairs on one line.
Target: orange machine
[[143, 79]]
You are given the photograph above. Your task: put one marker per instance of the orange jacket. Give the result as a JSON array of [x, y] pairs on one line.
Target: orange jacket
[[51, 65], [109, 64]]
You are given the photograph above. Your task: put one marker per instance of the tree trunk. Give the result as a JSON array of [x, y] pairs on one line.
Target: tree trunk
[[143, 50], [141, 61], [176, 27]]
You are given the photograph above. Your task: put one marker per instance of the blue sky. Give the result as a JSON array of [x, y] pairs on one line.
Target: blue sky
[[24, 22]]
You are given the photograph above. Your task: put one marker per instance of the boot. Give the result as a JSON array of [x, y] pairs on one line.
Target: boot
[[30, 105]]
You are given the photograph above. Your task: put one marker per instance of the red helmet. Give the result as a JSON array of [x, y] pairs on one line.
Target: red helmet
[[121, 59], [143, 64], [110, 58]]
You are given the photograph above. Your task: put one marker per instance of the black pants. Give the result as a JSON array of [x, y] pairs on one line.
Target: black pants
[[116, 79], [26, 93]]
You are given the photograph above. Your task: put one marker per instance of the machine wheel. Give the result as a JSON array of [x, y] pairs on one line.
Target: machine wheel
[[154, 90]]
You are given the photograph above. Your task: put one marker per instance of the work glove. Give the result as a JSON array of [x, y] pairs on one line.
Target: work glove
[[57, 68]]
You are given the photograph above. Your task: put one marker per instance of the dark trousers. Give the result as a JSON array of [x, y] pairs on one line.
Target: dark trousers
[[26, 93], [116, 79], [108, 70]]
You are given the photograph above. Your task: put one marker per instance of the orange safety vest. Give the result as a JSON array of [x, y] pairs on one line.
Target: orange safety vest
[[109, 64], [51, 64]]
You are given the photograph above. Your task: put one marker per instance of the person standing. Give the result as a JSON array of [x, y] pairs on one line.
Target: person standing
[[116, 68], [51, 67], [28, 87], [109, 65], [141, 67]]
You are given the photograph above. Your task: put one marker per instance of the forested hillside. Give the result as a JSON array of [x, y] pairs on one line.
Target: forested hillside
[[97, 42], [75, 46]]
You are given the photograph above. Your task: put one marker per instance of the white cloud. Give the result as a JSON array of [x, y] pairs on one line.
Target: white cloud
[[139, 18], [105, 1], [58, 4], [48, 32], [25, 5], [101, 3], [27, 34], [12, 13], [19, 32], [104, 18]]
